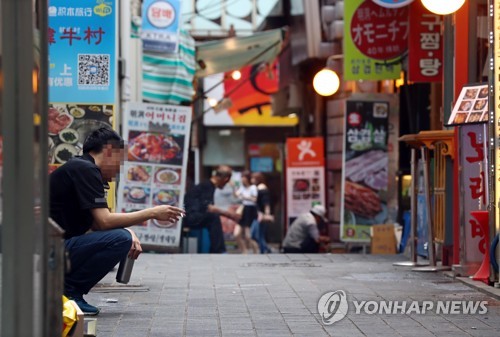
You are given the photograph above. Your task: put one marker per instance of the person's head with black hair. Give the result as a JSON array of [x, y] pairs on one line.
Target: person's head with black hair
[[246, 178], [221, 176], [97, 139], [107, 148]]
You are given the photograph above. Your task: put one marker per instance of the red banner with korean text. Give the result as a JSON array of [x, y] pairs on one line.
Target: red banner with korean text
[[474, 180], [425, 49]]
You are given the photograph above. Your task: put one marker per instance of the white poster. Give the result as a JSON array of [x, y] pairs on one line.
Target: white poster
[[155, 170]]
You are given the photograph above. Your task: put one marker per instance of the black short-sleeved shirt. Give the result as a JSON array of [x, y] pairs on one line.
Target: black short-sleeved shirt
[[75, 188], [196, 202], [263, 199]]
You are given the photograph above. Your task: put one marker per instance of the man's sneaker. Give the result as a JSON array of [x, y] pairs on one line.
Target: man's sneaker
[[87, 309]]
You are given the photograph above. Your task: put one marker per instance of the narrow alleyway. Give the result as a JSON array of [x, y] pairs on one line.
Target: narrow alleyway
[[276, 295]]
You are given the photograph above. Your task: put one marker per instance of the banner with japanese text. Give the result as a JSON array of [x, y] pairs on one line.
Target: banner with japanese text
[[474, 196], [82, 51], [425, 49], [305, 175], [365, 168], [375, 40], [155, 170], [160, 25]]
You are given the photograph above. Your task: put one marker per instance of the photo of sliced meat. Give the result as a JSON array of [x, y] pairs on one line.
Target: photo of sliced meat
[[366, 165], [378, 181], [361, 200]]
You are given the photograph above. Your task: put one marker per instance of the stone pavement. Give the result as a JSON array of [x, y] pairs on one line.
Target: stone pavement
[[276, 295]]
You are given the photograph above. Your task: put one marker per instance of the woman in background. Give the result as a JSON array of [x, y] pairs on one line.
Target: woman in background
[[260, 225], [247, 193]]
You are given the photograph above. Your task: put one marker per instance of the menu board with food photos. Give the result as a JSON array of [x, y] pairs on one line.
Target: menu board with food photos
[[69, 125], [305, 175], [154, 172], [471, 105]]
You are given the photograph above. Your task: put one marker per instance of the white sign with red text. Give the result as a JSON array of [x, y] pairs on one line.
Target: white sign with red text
[[154, 172]]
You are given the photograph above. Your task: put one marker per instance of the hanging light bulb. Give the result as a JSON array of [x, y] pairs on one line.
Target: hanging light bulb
[[212, 101], [326, 82], [236, 75], [443, 7]]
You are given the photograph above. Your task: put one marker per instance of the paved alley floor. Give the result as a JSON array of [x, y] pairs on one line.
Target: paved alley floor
[[277, 295]]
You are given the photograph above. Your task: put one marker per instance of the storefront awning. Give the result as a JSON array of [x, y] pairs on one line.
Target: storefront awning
[[233, 53]]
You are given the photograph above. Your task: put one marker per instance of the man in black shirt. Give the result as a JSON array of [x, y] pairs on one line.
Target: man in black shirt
[[201, 212], [78, 204]]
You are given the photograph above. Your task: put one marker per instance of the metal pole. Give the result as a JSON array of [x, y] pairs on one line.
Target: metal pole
[[18, 237]]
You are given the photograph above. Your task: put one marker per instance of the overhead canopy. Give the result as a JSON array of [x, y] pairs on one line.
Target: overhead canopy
[[225, 55]]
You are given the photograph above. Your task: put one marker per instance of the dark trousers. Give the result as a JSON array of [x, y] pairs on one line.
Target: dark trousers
[[92, 256], [210, 221], [308, 246]]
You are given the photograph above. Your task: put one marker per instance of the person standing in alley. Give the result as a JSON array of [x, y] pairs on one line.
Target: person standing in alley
[[247, 193], [78, 204], [201, 211], [303, 235], [260, 225]]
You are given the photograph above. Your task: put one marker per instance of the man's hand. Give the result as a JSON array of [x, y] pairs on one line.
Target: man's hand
[[233, 216], [136, 248], [324, 238], [167, 213]]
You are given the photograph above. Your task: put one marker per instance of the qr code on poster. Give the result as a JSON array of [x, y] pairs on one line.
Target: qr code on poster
[[93, 69]]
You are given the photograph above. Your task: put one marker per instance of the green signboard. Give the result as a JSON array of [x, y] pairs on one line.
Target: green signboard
[[375, 40]]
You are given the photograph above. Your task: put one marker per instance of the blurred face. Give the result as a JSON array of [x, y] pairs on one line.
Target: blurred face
[[112, 160], [244, 181]]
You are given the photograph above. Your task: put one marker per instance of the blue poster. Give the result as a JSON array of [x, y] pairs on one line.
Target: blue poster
[[82, 51], [160, 25]]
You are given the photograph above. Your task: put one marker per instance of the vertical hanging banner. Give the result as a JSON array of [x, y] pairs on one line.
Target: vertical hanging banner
[[82, 73], [375, 40], [494, 119], [425, 50], [365, 168], [155, 170], [474, 177], [305, 175], [160, 25]]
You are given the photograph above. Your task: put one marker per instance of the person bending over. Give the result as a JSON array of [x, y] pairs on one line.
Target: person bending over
[[303, 235]]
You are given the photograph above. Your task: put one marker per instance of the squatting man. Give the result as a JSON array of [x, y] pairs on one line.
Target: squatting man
[[95, 238]]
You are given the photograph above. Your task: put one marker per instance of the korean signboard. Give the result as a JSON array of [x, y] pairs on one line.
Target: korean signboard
[[155, 170], [425, 54], [471, 106], [365, 169], [160, 25], [82, 51], [495, 114], [376, 39], [305, 175], [474, 196]]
